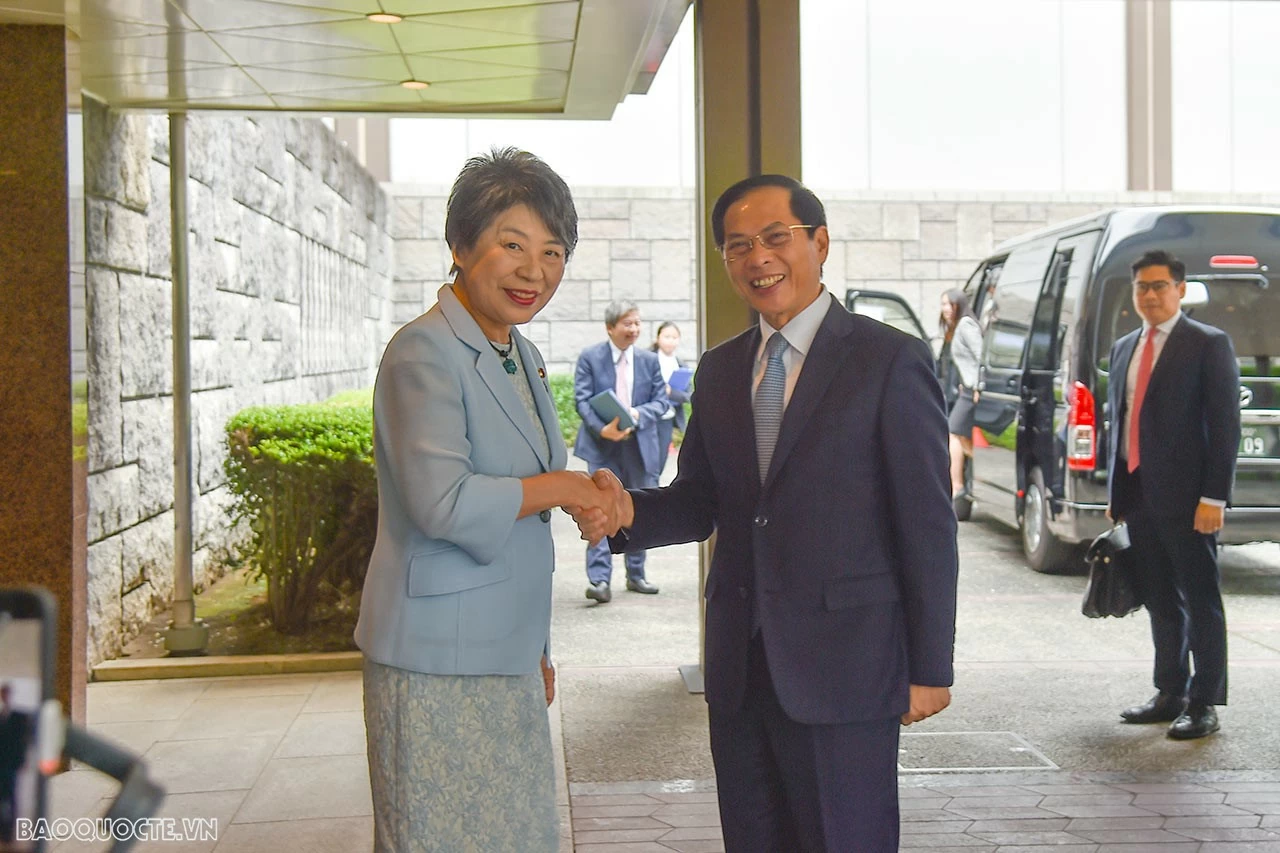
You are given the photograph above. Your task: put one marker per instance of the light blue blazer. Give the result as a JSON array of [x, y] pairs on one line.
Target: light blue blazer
[[457, 585]]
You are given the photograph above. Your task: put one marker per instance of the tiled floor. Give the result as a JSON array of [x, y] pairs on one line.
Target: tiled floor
[[994, 813], [279, 762]]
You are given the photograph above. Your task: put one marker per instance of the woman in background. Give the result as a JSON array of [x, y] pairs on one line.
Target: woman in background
[[666, 342], [456, 611], [958, 366]]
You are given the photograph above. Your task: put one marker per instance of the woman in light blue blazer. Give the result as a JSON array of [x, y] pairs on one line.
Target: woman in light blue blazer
[[456, 610]]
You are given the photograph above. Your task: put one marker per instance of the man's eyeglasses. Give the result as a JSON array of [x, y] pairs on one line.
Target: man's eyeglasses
[[1156, 287], [738, 248]]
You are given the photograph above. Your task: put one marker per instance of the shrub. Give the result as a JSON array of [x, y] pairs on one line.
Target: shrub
[[303, 480], [567, 409]]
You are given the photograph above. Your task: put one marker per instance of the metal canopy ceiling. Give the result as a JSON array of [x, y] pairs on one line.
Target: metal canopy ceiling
[[491, 58]]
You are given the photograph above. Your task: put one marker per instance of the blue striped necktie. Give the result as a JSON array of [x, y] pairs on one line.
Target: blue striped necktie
[[769, 399]]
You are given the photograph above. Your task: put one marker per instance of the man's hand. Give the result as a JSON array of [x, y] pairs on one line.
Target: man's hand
[[549, 679], [611, 431], [623, 511], [1209, 518], [925, 702], [611, 511]]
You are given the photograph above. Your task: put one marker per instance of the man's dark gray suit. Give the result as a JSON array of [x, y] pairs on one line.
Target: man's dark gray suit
[[1189, 432], [845, 561]]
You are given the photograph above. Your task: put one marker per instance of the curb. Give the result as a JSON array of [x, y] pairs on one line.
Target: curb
[[139, 669]]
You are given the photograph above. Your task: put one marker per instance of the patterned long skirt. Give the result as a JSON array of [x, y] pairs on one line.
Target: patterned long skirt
[[459, 763]]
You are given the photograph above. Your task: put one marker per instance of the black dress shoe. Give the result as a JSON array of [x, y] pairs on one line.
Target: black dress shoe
[[642, 585], [599, 591], [1161, 708], [1198, 721]]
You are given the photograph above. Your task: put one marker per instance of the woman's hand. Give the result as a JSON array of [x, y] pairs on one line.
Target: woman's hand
[[548, 679], [595, 510]]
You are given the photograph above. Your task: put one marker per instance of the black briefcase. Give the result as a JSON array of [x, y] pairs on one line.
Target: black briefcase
[[1111, 590]]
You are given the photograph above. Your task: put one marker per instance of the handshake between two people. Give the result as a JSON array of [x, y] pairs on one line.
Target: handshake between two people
[[599, 504]]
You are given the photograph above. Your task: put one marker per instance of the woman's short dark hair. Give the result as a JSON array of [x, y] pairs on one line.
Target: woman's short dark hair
[[1160, 258], [491, 183], [805, 206]]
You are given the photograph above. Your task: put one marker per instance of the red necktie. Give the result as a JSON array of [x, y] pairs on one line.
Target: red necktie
[[1139, 392]]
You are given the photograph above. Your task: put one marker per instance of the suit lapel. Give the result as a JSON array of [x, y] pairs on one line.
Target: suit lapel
[[490, 368], [609, 371], [1119, 377], [820, 365], [1170, 356]]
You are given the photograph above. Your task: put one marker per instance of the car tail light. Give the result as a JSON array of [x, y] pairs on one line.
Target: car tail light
[[1082, 437], [1234, 262]]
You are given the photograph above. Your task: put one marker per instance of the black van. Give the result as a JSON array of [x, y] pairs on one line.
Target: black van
[[1052, 303]]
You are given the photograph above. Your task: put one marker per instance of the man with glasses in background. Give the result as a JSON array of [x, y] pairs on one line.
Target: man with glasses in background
[[1172, 456], [631, 453], [817, 453]]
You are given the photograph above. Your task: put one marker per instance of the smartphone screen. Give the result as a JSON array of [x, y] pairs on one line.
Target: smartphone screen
[[22, 683]]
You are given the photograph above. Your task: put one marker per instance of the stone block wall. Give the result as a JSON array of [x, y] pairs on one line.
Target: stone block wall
[[638, 244], [290, 266], [633, 244]]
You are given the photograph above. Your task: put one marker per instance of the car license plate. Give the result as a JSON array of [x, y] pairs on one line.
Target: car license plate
[[1259, 442]]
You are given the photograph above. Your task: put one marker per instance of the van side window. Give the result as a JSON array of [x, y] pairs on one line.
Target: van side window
[[1081, 249], [1056, 310], [1007, 313], [981, 290]]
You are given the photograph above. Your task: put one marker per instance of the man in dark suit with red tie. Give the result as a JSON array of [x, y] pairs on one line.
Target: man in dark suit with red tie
[[1175, 430], [817, 452]]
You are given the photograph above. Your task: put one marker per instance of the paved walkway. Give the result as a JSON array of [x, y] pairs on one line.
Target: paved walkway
[[279, 762]]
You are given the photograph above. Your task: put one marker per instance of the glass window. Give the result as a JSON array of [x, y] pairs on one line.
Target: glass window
[[1008, 311]]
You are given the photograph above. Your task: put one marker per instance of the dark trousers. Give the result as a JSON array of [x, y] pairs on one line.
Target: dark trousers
[[1176, 572], [626, 463], [787, 786]]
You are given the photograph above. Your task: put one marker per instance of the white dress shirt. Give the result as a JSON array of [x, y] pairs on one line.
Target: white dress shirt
[[669, 364], [799, 332]]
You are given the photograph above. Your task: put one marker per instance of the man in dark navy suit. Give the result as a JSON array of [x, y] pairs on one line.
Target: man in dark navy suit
[[817, 452], [1175, 429], [633, 455]]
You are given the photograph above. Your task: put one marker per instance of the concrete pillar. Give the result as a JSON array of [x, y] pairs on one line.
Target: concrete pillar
[[747, 55], [1149, 73], [747, 58], [369, 138], [37, 513]]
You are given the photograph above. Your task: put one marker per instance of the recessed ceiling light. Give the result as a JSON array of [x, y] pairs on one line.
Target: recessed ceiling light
[[414, 84], [384, 18]]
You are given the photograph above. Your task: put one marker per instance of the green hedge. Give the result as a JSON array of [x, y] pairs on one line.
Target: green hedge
[[303, 480], [567, 409]]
